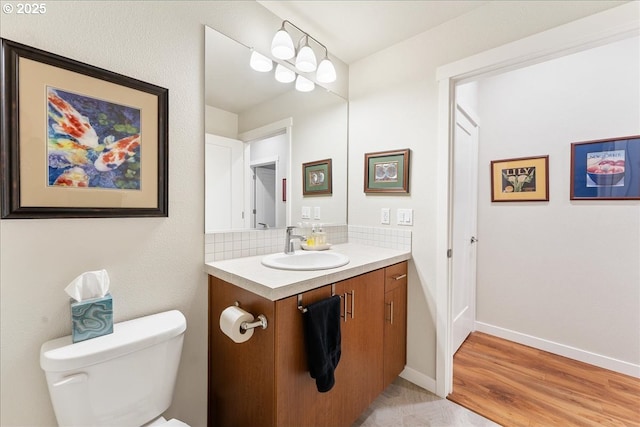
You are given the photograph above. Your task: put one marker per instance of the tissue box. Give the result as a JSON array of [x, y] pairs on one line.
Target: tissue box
[[91, 318]]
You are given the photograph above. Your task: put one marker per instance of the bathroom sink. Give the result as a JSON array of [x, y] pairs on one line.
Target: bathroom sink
[[301, 260]]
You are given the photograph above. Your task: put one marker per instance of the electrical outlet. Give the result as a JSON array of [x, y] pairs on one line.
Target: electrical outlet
[[316, 212], [384, 216], [306, 212]]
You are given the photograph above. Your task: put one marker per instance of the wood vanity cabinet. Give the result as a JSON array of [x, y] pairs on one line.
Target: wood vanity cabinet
[[395, 322], [265, 381]]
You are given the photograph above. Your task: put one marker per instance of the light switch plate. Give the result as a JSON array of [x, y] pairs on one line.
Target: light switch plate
[[384, 216], [405, 216], [316, 212], [306, 212]]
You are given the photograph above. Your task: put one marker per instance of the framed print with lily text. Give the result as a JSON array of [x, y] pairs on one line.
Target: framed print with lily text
[[79, 141], [316, 178], [387, 172], [606, 169], [524, 179]]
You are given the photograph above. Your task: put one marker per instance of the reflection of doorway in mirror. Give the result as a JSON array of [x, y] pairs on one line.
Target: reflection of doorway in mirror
[[264, 196], [267, 147], [224, 182]]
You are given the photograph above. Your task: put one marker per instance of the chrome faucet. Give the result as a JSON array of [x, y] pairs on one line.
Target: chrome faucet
[[288, 242]]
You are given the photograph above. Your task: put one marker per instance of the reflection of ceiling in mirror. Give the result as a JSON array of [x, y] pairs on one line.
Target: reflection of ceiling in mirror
[[230, 83]]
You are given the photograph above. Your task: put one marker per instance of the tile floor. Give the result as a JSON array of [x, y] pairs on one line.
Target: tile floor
[[404, 404]]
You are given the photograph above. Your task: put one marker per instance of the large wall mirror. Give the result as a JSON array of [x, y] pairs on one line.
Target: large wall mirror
[[258, 134]]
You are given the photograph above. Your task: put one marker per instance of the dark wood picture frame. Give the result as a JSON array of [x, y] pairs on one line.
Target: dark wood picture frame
[[606, 169], [523, 179], [33, 109], [317, 178], [387, 171]]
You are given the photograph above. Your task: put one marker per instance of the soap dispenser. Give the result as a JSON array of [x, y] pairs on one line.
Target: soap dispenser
[[311, 240], [321, 237]]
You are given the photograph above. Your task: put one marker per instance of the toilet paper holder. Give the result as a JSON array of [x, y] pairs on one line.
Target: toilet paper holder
[[261, 321]]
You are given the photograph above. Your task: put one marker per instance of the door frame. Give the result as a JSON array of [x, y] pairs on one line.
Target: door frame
[[283, 126], [592, 31], [272, 160]]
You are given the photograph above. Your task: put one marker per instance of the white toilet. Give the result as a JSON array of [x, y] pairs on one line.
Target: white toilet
[[122, 379]]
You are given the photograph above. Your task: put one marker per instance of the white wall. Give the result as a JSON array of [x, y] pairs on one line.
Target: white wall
[[393, 98], [220, 122], [319, 132], [563, 271], [155, 264]]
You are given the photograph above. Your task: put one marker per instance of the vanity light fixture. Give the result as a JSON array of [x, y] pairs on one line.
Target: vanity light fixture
[[303, 84], [282, 44], [260, 63], [306, 59], [284, 75], [326, 72], [282, 47]]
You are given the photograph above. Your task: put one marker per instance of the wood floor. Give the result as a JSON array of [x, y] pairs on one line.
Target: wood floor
[[516, 385]]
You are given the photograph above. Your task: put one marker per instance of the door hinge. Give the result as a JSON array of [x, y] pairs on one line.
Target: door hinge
[[449, 253]]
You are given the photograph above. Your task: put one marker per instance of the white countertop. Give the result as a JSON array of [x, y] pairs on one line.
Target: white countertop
[[249, 273]]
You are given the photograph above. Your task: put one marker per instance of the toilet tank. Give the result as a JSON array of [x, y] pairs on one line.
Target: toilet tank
[[122, 379]]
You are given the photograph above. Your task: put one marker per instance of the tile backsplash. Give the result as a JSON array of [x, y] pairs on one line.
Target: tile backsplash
[[237, 244], [381, 237]]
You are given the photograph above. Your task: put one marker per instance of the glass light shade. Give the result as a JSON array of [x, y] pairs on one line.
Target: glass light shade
[[306, 60], [304, 85], [259, 62], [284, 75], [282, 45], [326, 71]]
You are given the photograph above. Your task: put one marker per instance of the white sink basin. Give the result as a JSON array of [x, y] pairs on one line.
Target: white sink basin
[[303, 260]]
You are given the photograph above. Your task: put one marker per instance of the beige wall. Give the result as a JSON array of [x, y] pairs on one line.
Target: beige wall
[[156, 263], [563, 271], [393, 103]]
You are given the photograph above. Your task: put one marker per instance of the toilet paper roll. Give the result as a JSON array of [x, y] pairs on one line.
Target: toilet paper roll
[[230, 320]]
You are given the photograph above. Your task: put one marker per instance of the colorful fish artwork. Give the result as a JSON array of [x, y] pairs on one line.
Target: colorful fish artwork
[[118, 152], [74, 177], [92, 142], [70, 122]]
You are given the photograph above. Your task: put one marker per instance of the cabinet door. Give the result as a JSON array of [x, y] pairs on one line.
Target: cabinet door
[[395, 326], [359, 373], [298, 402], [241, 376]]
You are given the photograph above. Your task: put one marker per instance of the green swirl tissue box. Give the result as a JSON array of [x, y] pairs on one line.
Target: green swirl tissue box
[[91, 318]]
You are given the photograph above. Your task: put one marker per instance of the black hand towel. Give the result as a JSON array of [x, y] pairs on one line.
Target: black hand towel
[[322, 340]]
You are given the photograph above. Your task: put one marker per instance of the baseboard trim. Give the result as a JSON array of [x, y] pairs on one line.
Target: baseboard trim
[[561, 350], [419, 379]]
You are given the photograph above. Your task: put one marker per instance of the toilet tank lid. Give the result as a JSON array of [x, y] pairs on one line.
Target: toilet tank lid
[[62, 354]]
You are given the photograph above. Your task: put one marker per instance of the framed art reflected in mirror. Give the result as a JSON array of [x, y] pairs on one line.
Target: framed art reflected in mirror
[[317, 178]]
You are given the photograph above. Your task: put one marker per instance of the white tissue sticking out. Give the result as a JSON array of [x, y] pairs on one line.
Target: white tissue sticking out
[[90, 284]]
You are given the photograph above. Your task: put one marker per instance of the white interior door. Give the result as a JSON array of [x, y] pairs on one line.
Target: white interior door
[[223, 189], [265, 196], [465, 197]]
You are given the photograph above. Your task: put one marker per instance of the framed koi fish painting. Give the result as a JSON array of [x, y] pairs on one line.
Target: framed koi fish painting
[[79, 141]]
